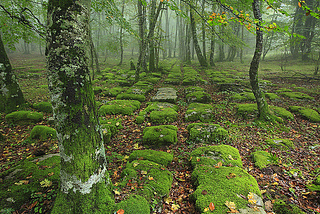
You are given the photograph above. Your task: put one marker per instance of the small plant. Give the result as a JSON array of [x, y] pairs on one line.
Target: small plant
[[273, 159]]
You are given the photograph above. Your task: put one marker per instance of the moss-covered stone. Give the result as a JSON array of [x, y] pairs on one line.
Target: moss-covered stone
[[244, 96], [139, 119], [198, 96], [280, 207], [160, 135], [211, 155], [199, 111], [297, 95], [135, 204], [307, 113], [97, 90], [192, 89], [113, 92], [23, 187], [154, 178], [282, 144], [272, 96], [128, 96], [283, 90], [246, 110], [206, 133], [125, 107], [110, 128], [261, 159], [43, 107], [220, 185], [23, 117], [43, 132], [166, 95], [159, 157], [281, 112], [161, 112]]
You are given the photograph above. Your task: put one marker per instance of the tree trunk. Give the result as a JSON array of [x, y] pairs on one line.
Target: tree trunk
[[297, 27], [204, 32], [201, 59], [84, 179], [263, 109], [121, 36], [141, 39], [188, 39], [151, 41], [11, 95]]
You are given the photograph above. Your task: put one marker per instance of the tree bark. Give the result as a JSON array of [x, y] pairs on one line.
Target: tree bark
[[84, 179], [201, 59], [121, 36], [11, 96], [151, 40], [263, 109]]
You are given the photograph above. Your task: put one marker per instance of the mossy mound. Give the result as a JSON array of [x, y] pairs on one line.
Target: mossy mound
[[283, 90], [124, 107], [211, 155], [43, 107], [310, 114], [297, 95], [281, 112], [110, 128], [160, 112], [280, 207], [154, 179], [192, 89], [29, 181], [113, 92], [128, 96], [282, 144], [199, 111], [97, 90], [261, 159], [206, 133], [23, 117], [219, 185], [159, 157], [244, 96], [199, 97], [166, 95], [272, 96], [135, 204], [43, 132], [160, 135], [139, 119]]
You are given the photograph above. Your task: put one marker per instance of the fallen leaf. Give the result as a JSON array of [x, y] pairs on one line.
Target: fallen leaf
[[45, 183], [206, 209], [175, 207], [116, 192], [136, 146], [211, 206], [230, 157], [219, 164], [168, 200], [121, 211], [204, 192], [150, 178], [50, 174], [143, 172], [231, 175], [135, 164]]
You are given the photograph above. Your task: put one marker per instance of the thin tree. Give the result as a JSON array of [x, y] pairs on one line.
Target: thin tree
[[84, 179]]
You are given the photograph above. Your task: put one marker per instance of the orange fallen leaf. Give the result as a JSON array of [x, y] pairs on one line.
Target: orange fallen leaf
[[121, 211], [211, 206]]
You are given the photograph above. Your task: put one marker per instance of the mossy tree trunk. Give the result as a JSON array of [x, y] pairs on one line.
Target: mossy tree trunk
[[10, 93], [84, 179], [263, 109]]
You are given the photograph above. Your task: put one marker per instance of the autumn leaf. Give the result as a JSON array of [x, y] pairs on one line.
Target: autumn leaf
[[206, 209], [251, 199], [232, 206], [45, 183], [299, 4], [136, 146], [135, 164], [168, 200], [116, 192], [143, 172], [150, 178], [211, 206], [175, 207], [121, 211], [231, 175]]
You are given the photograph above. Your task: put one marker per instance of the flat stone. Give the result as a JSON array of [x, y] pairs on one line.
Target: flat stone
[[166, 95]]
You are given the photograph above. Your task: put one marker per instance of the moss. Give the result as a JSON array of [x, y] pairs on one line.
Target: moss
[[244, 96], [159, 157], [97, 90], [307, 113], [261, 159], [135, 204], [280, 207], [211, 155], [192, 89], [198, 111], [297, 95], [283, 90], [22, 185], [154, 178], [139, 119], [272, 96], [281, 112], [282, 144], [153, 80], [42, 132], [166, 115], [113, 92], [43, 107], [166, 95], [160, 135], [198, 96], [206, 133], [315, 185], [110, 128], [125, 107], [247, 109], [128, 96], [23, 117], [220, 187]]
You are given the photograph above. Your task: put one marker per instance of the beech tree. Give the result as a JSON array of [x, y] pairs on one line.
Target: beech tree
[[85, 182]]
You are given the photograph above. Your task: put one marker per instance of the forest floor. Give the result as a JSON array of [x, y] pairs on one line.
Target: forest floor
[[287, 180]]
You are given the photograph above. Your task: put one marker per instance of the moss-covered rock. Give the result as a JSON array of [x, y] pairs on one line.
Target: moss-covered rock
[[247, 110], [166, 95], [261, 159], [192, 89], [23, 117], [244, 96], [97, 90], [199, 97], [310, 114], [211, 155], [199, 111], [280, 207], [160, 112], [281, 112], [159, 157], [219, 185], [43, 132], [282, 144], [113, 92], [272, 96], [160, 135], [139, 119], [18, 187], [206, 133], [43, 107], [154, 178], [135, 204], [283, 90], [110, 128], [127, 96], [297, 95], [125, 107]]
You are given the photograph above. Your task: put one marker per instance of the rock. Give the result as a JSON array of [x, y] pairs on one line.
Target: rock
[[268, 205], [166, 95]]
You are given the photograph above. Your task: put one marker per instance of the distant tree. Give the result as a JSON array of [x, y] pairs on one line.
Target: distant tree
[[84, 179]]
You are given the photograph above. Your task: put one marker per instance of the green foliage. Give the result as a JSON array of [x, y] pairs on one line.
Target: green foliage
[[43, 132], [282, 144], [307, 113], [261, 159], [280, 207]]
